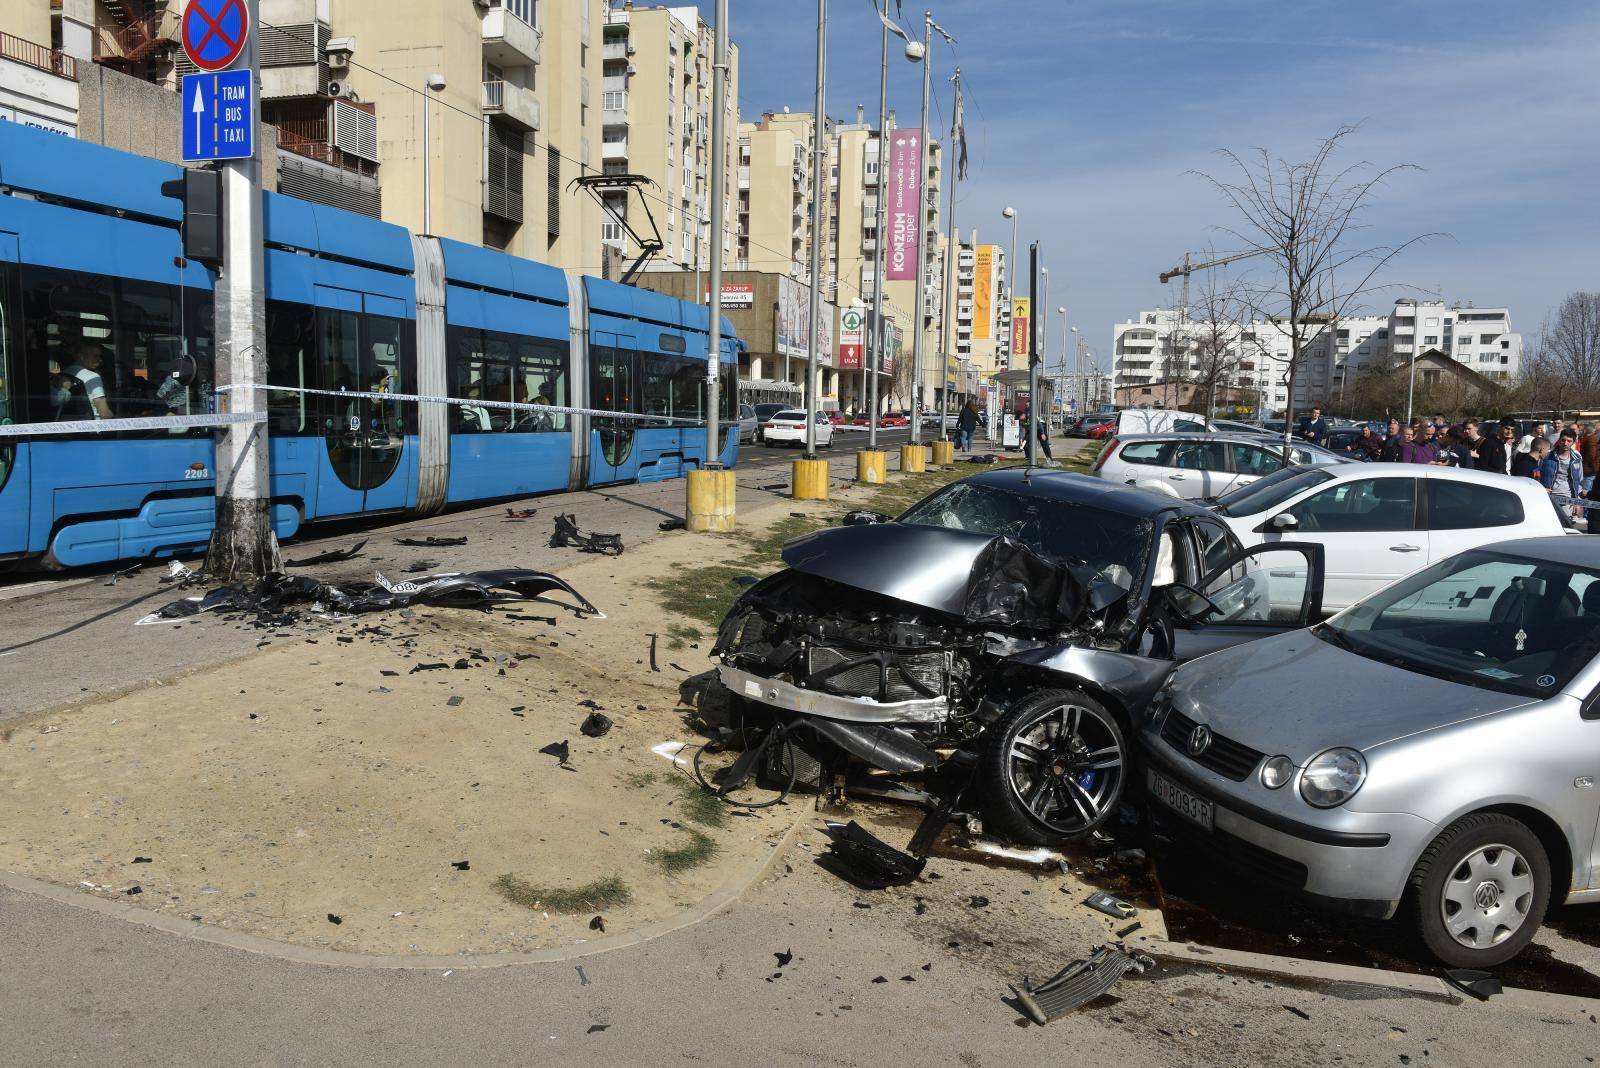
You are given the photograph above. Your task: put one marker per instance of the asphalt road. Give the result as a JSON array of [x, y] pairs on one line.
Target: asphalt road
[[70, 636]]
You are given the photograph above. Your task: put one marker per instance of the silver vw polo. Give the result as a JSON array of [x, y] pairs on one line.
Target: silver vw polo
[[1432, 749]]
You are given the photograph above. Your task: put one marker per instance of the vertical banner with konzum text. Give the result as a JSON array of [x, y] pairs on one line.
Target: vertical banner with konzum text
[[904, 208]]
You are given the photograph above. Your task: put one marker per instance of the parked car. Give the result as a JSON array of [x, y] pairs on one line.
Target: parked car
[[789, 428], [749, 423], [1018, 620], [1235, 426], [1159, 421], [1099, 431], [1431, 749], [1380, 522], [1197, 466], [894, 419], [765, 411], [837, 418]]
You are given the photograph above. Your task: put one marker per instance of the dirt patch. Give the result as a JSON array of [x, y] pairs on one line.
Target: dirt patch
[[324, 778]]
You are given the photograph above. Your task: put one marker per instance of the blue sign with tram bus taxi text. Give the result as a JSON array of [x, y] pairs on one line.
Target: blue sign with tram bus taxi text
[[219, 116]]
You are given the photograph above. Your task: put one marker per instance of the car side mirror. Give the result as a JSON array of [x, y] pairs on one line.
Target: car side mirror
[[1283, 521]]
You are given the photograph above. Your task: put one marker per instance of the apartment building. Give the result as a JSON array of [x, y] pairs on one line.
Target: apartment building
[[983, 315], [1162, 345], [343, 88], [656, 114]]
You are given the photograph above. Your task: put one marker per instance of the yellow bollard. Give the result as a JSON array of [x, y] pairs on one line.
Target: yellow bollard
[[944, 453], [810, 480], [872, 466], [913, 459], [712, 504]]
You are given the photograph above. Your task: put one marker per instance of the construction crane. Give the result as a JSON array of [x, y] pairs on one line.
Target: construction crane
[[1186, 269]]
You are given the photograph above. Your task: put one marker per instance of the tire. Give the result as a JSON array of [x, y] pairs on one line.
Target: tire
[[1483, 857], [1066, 730]]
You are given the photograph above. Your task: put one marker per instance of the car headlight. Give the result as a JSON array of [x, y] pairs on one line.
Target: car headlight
[[1333, 777], [1276, 772]]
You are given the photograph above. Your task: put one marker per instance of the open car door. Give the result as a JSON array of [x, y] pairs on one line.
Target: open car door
[[1255, 592]]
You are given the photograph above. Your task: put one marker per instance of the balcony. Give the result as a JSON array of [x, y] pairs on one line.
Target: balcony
[[512, 102], [615, 48], [614, 150], [507, 40]]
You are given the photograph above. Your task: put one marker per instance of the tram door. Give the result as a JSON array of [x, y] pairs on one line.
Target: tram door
[[613, 387], [13, 456], [361, 338]]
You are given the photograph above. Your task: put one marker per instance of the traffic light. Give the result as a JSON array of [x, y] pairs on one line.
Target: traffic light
[[201, 194]]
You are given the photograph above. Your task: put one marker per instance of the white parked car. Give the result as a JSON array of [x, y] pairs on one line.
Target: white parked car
[[1199, 466], [789, 428], [1380, 522]]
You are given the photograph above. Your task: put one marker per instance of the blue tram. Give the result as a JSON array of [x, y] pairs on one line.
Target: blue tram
[[102, 319]]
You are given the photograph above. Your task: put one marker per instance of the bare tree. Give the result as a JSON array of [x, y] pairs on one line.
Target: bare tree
[[1304, 218], [1569, 345], [1213, 330]]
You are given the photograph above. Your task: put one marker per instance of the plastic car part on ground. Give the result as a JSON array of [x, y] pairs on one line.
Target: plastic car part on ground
[[862, 859], [1079, 983], [272, 596], [567, 534]]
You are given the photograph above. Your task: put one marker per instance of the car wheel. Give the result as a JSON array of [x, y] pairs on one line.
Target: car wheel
[[1479, 893], [1053, 770]]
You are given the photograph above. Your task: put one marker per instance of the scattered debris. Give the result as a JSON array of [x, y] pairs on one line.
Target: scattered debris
[[653, 665], [977, 901], [583, 976], [785, 957], [119, 575], [420, 566], [862, 859], [559, 750], [862, 517], [596, 1028], [1128, 930], [269, 597], [521, 513], [1303, 1014], [461, 865], [142, 860], [134, 889], [1114, 907], [567, 535], [595, 725], [985, 458], [598, 924], [881, 979], [331, 557], [426, 667], [672, 524], [1079, 983], [431, 542], [1470, 981], [335, 919], [181, 574]]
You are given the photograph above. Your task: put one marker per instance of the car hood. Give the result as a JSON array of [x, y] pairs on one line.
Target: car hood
[[926, 566], [1297, 695]]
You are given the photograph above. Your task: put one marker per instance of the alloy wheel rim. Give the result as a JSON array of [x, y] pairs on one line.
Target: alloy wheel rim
[[1065, 766], [1487, 896]]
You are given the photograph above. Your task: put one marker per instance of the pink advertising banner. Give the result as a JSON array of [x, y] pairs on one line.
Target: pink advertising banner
[[903, 210]]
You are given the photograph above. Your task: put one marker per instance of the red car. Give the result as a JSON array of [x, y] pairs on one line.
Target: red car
[[1099, 431], [837, 418], [884, 420]]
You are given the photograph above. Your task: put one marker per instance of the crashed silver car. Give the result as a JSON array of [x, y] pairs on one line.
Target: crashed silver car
[[987, 652]]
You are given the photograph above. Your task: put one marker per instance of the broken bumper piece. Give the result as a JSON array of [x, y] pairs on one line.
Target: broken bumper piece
[[1079, 983], [786, 695]]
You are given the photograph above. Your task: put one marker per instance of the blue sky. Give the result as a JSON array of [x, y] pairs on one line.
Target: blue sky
[[1086, 114]]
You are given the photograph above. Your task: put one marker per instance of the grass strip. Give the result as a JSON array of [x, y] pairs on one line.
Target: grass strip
[[606, 893], [700, 849]]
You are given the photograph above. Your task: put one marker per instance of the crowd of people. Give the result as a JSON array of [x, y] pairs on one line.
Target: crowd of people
[[1563, 457]]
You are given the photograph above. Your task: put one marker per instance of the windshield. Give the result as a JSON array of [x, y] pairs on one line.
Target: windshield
[[1267, 493], [1115, 545], [1483, 618]]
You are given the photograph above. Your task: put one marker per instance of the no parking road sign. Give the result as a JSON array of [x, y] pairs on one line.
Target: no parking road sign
[[214, 32]]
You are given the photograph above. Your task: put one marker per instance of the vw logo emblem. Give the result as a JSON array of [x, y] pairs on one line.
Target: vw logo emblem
[[1199, 739]]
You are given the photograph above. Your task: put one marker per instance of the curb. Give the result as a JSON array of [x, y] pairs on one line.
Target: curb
[[725, 895], [1425, 986]]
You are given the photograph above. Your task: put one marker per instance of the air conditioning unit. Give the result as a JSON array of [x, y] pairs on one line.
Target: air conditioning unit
[[632, 49], [338, 51], [340, 89]]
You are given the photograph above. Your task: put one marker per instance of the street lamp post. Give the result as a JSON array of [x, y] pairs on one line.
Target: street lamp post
[[719, 164], [1062, 311], [434, 84], [922, 51], [879, 250], [819, 164], [1011, 276]]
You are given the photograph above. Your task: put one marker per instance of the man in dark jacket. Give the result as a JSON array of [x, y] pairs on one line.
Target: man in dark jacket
[[1313, 428], [1498, 453]]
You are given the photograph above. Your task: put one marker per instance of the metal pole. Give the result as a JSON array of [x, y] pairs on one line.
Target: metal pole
[[427, 160], [953, 258], [922, 235], [242, 542], [719, 164], [880, 259], [819, 164], [1064, 350], [1033, 355]]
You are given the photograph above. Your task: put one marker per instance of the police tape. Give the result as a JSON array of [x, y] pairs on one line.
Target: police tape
[[120, 426], [516, 406]]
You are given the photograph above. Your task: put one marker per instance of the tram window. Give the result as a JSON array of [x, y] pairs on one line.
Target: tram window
[[386, 371], [729, 386], [506, 368], [688, 389], [291, 361], [656, 386], [7, 318], [100, 347], [541, 378], [613, 379]]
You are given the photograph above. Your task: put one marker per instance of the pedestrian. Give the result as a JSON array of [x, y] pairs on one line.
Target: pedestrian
[[1526, 441], [1562, 470], [1396, 446], [1417, 449], [1455, 452], [1555, 431], [1391, 443], [1313, 428], [966, 426], [1589, 449], [1043, 431], [1498, 454], [1530, 464], [1368, 446]]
